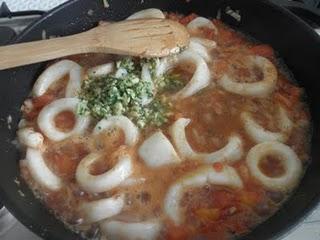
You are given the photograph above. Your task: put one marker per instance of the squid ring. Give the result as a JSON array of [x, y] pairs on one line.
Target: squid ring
[[132, 181], [157, 151], [163, 65], [230, 153], [105, 181], [256, 89], [201, 76], [288, 158], [147, 230], [201, 46], [40, 171], [202, 176], [30, 138], [146, 77], [147, 13], [207, 43], [57, 71], [201, 22], [46, 119], [100, 70], [101, 209], [130, 130], [259, 134]]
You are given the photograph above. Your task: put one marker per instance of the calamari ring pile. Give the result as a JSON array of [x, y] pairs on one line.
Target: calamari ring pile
[[233, 162]]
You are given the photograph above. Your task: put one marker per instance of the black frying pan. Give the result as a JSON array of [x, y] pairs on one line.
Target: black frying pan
[[296, 43]]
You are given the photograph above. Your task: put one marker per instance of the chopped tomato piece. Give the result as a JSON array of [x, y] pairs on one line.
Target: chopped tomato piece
[[177, 233], [283, 100], [244, 172], [288, 95], [222, 199], [65, 120], [286, 100], [39, 102], [208, 214], [173, 16], [294, 92], [31, 115], [221, 66], [65, 165], [217, 22], [227, 36], [218, 166], [66, 159], [263, 50], [208, 33], [250, 198], [188, 18]]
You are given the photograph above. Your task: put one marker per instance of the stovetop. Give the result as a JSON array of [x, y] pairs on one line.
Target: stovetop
[[12, 23]]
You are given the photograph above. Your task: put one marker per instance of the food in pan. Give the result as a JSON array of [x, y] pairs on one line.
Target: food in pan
[[207, 143]]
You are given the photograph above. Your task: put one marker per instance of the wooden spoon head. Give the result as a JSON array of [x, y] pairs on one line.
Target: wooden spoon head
[[141, 37]]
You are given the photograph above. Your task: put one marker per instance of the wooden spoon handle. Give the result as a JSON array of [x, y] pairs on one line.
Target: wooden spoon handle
[[141, 37], [38, 51]]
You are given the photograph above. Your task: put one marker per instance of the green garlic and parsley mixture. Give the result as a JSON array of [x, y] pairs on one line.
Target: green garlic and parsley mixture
[[126, 92]]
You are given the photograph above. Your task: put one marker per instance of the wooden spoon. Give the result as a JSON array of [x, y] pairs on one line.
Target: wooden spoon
[[142, 37]]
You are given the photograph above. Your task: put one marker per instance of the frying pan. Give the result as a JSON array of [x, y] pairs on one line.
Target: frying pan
[[296, 43]]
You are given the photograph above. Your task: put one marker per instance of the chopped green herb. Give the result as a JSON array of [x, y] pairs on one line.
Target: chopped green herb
[[169, 82], [124, 92], [152, 64], [126, 63]]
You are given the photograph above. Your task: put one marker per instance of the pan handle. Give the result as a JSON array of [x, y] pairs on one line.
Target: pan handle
[[310, 13], [5, 12], [12, 23]]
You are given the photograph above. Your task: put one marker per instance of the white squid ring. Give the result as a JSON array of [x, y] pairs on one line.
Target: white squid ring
[[147, 230], [46, 119], [106, 181], [260, 134], [101, 209], [230, 153], [30, 138], [57, 71], [207, 43], [146, 77], [256, 89], [202, 176], [132, 181], [40, 171], [100, 70], [200, 78], [22, 123], [164, 64], [201, 46], [289, 159], [201, 22], [125, 124], [157, 151], [147, 13]]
